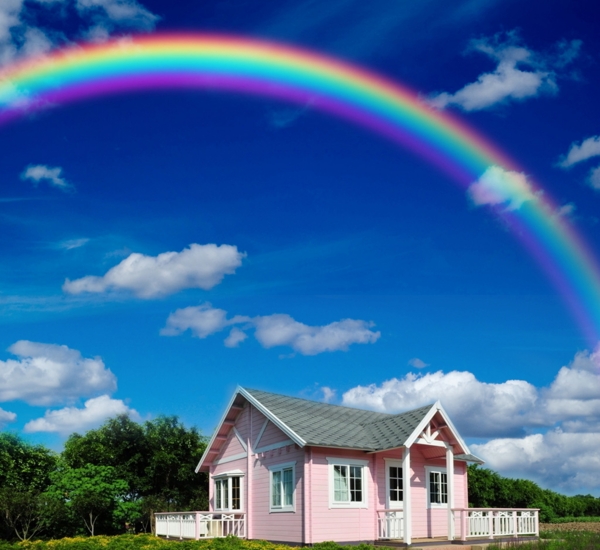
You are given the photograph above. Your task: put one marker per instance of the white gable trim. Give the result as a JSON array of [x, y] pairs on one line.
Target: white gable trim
[[239, 437], [283, 427], [261, 432], [435, 408], [214, 437]]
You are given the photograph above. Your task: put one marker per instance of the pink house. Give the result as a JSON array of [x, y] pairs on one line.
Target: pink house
[[297, 471]]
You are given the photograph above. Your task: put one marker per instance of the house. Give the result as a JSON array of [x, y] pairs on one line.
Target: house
[[297, 471]]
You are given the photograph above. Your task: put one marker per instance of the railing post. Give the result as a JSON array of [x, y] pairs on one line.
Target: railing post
[[180, 526], [491, 523], [515, 524], [167, 518], [197, 526], [463, 525], [537, 522]]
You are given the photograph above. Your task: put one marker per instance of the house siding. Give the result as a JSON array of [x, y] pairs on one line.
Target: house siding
[[339, 524], [275, 526]]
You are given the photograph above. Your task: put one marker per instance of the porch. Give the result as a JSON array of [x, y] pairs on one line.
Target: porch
[[466, 525], [200, 525]]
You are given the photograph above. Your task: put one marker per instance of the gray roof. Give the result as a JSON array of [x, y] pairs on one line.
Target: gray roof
[[322, 424]]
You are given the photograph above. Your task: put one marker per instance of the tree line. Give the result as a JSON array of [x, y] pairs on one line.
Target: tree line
[[488, 489], [111, 480]]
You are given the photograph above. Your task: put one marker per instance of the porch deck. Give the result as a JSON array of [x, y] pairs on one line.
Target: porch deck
[[200, 525]]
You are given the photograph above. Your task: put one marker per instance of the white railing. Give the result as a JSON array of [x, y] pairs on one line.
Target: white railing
[[488, 523], [200, 525], [390, 524]]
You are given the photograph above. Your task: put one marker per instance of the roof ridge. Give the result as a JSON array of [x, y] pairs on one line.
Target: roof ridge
[[313, 402], [390, 416]]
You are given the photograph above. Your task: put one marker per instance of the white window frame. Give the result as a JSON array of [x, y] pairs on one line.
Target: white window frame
[[280, 468], [393, 504], [364, 466], [438, 470], [227, 478]]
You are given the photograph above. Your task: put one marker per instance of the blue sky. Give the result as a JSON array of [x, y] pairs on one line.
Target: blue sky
[[160, 248]]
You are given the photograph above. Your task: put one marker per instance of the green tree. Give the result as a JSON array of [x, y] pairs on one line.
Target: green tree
[[90, 492], [25, 472]]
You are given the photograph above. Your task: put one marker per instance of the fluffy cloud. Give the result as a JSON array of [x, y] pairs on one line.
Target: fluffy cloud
[[479, 409], [97, 19], [520, 74], [71, 419], [588, 148], [46, 374], [198, 266], [549, 434], [53, 176], [417, 363], [281, 330], [271, 330], [328, 394], [6, 417], [501, 187]]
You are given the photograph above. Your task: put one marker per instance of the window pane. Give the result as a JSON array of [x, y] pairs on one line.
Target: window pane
[[434, 487], [395, 478], [444, 489], [340, 483], [276, 489], [236, 500], [288, 487], [218, 495], [356, 483]]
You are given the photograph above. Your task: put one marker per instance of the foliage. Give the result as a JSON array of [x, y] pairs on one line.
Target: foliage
[[488, 489], [89, 491], [24, 475]]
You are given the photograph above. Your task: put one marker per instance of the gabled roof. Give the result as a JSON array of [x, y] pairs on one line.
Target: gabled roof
[[325, 425]]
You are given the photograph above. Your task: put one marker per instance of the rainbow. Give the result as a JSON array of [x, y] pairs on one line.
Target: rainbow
[[271, 69]]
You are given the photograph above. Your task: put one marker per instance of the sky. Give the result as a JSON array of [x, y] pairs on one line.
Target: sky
[[164, 246]]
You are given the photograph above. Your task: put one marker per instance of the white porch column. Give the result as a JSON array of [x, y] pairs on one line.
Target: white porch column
[[407, 495], [450, 479]]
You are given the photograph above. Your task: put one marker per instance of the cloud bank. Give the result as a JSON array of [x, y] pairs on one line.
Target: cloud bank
[[71, 419], [48, 374], [520, 73], [198, 266], [270, 331], [549, 434], [500, 187], [581, 152], [6, 417]]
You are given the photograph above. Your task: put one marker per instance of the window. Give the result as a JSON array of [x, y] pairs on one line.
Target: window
[[437, 487], [395, 493], [282, 487], [228, 491], [347, 483]]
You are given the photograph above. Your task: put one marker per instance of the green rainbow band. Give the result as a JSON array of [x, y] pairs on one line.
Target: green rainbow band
[[271, 69]]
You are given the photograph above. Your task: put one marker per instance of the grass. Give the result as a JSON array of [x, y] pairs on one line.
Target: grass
[[559, 540]]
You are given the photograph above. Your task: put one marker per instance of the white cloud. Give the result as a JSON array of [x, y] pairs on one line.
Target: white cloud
[[282, 330], [109, 13], [328, 394], [479, 409], [417, 363], [549, 434], [588, 148], [53, 176], [520, 74], [70, 244], [235, 338], [594, 178], [97, 19], [46, 374], [6, 417], [71, 419], [272, 330], [498, 186], [198, 266], [202, 321]]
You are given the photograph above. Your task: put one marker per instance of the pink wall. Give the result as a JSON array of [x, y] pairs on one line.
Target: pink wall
[[338, 524]]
